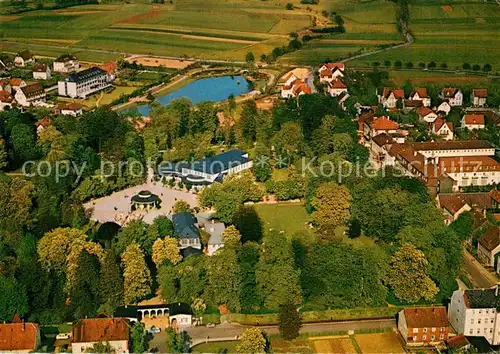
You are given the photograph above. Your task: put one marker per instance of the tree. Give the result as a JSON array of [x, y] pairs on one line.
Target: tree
[[168, 248], [231, 237], [177, 342], [84, 292], [3, 155], [13, 298], [164, 226], [431, 65], [16, 202], [252, 341], [338, 20], [387, 63], [138, 338], [248, 121], [421, 65], [476, 67], [486, 68], [23, 141], [55, 246], [398, 64], [224, 278], [136, 275], [331, 206], [466, 66], [249, 58], [181, 206], [444, 65], [408, 276], [289, 321], [289, 6], [136, 231], [409, 65], [100, 347], [110, 282]]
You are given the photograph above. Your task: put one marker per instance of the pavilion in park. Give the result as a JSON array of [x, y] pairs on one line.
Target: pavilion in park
[[145, 200]]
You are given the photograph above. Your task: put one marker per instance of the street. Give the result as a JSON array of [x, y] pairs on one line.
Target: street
[[480, 277], [227, 331]]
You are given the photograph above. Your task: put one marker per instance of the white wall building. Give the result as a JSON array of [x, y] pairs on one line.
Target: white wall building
[[41, 72], [66, 64], [30, 94], [89, 331], [474, 313], [453, 95], [24, 58], [83, 83], [473, 121]]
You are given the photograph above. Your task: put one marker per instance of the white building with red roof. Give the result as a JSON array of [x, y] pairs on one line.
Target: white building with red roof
[[390, 97], [379, 125], [479, 97], [420, 94], [336, 88], [331, 71], [442, 129], [89, 331], [296, 82], [453, 95], [70, 109], [19, 336], [473, 121], [6, 99], [426, 114], [423, 325]]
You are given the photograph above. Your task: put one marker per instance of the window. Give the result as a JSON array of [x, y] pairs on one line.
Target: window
[[471, 321], [441, 336], [433, 329], [470, 331], [415, 330], [478, 331], [478, 321], [442, 329], [492, 320], [424, 337], [425, 330], [433, 337], [414, 338], [480, 311]]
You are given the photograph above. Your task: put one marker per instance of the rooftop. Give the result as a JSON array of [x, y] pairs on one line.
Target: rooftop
[[491, 239], [482, 299], [422, 92], [86, 74], [25, 54], [480, 93], [185, 226], [220, 163], [398, 93], [474, 119], [383, 139], [420, 317], [32, 90], [18, 336], [383, 123], [449, 92], [100, 330], [66, 57]]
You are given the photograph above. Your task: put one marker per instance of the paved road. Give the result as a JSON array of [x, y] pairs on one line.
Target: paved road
[[226, 332], [480, 277]]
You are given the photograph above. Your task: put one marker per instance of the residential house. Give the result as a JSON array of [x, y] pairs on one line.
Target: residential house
[[89, 331], [24, 58], [30, 94], [495, 198], [420, 94], [458, 344], [423, 325], [19, 336], [331, 71], [41, 72], [390, 97], [479, 97], [186, 231], [342, 99], [474, 313], [454, 204], [426, 114], [295, 89], [66, 64], [110, 68], [473, 121], [379, 125], [84, 83], [336, 88], [488, 246], [208, 170], [215, 231], [70, 109], [444, 107], [453, 95], [5, 85], [43, 124], [411, 105], [379, 146], [442, 129], [6, 100], [17, 83]]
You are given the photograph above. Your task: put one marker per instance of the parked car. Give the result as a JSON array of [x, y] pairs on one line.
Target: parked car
[[211, 325], [154, 330], [63, 336]]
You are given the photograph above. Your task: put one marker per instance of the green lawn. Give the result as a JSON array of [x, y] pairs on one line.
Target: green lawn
[[287, 217], [216, 347]]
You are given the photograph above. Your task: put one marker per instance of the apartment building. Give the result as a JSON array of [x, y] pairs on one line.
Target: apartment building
[[84, 83]]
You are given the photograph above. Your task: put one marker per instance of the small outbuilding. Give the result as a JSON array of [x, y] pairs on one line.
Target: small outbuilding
[[145, 200]]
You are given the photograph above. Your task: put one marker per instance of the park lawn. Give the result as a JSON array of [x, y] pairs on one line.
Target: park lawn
[[287, 217], [216, 347]]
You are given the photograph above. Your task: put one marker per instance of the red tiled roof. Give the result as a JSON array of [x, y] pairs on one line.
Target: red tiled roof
[[413, 103], [423, 111], [398, 93], [70, 106], [45, 122], [457, 342], [100, 330], [5, 96], [491, 239], [333, 66], [383, 139], [40, 68], [384, 123], [300, 86], [18, 336], [481, 93], [422, 92], [15, 81], [495, 195], [426, 317], [109, 67], [449, 92], [453, 202], [439, 122], [337, 84], [474, 119]]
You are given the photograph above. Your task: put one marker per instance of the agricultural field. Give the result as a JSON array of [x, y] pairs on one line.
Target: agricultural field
[[423, 78], [452, 32], [221, 29]]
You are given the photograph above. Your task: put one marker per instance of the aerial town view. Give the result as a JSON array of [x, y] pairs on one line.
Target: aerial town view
[[250, 176]]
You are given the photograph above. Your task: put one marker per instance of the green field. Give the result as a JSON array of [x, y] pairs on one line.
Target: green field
[[223, 29], [216, 347], [287, 217]]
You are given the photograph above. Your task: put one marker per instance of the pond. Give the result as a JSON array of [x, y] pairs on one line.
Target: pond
[[209, 89]]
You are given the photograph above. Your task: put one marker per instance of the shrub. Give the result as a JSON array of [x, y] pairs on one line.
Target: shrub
[[387, 63], [466, 66], [409, 65], [476, 67], [432, 64], [444, 65], [398, 63], [289, 6], [486, 68], [376, 64], [421, 65]]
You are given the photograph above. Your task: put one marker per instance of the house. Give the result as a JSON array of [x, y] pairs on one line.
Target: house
[[342, 99], [458, 344], [411, 105], [41, 72], [495, 198], [488, 246], [390, 97], [295, 89], [24, 58], [473, 121], [30, 94], [442, 129], [296, 82], [186, 231], [454, 204], [5, 85], [89, 331], [444, 107], [19, 336], [420, 94], [423, 325], [479, 97], [66, 64], [84, 83], [110, 68], [453, 95], [6, 100], [336, 88], [426, 114], [176, 315], [70, 109], [43, 124], [330, 71], [17, 83], [474, 313], [379, 125], [215, 231], [379, 145], [208, 170]]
